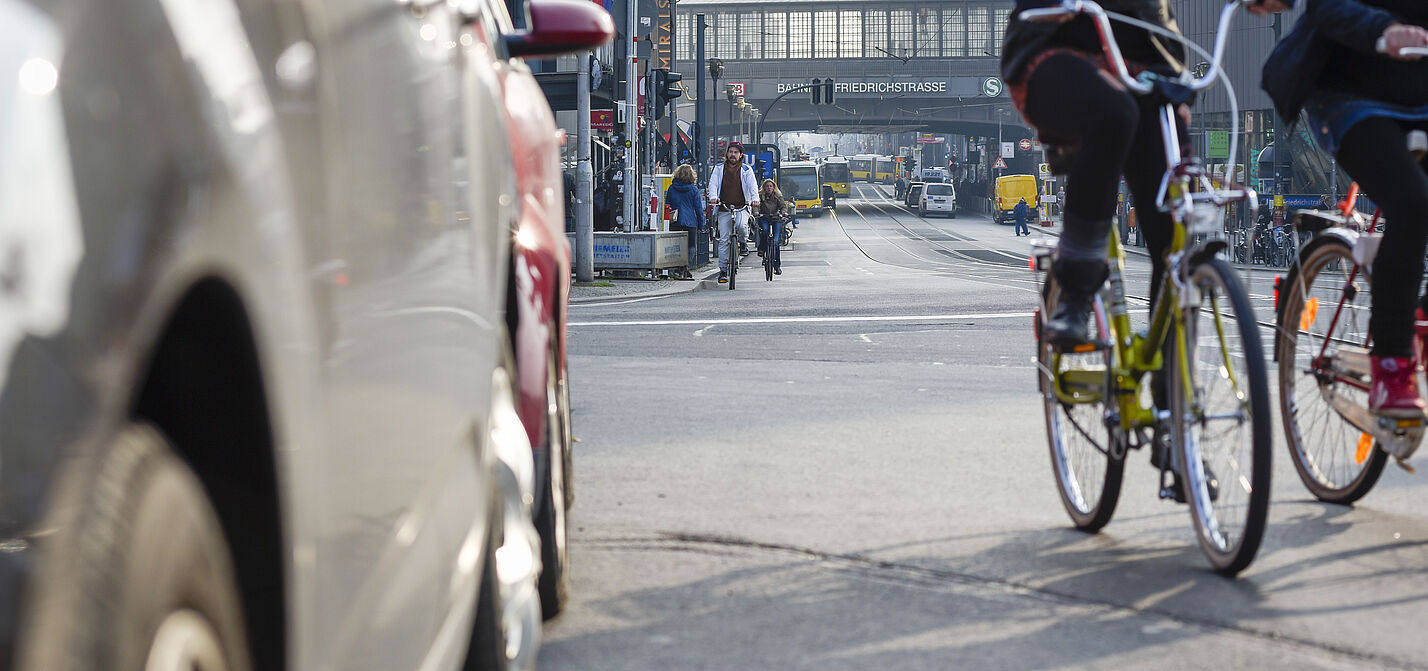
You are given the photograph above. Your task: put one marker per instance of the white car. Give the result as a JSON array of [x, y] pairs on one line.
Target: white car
[[939, 198]]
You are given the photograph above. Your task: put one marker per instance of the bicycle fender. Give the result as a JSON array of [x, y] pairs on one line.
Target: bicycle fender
[[1206, 250]]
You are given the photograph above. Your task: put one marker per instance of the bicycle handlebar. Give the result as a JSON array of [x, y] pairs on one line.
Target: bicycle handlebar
[[1068, 9]]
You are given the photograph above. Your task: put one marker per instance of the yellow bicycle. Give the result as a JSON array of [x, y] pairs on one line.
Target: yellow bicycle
[[1214, 425]]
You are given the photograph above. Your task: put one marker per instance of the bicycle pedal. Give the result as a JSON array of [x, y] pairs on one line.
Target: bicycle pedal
[[1083, 348], [1403, 464]]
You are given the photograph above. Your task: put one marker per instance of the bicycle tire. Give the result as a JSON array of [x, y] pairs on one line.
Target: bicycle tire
[[1229, 548], [770, 245], [733, 248], [1088, 477], [1325, 448]]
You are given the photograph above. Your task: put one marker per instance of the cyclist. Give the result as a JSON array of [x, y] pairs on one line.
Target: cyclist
[[1363, 97], [1059, 83], [772, 210], [731, 184]]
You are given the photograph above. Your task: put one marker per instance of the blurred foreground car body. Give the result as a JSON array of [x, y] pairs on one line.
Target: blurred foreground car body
[[541, 286], [256, 390]]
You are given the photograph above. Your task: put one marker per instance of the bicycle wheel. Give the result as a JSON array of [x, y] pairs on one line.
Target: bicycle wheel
[[1087, 451], [733, 249], [1324, 305], [1220, 420], [770, 245]]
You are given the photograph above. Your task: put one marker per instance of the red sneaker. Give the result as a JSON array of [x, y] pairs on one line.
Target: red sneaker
[[1395, 390]]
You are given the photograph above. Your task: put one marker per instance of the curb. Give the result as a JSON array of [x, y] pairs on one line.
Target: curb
[[683, 288]]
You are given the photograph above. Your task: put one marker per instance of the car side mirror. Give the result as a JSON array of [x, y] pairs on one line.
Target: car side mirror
[[561, 27]]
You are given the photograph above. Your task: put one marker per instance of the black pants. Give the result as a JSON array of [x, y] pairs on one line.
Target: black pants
[[691, 238], [1375, 153], [1072, 101]]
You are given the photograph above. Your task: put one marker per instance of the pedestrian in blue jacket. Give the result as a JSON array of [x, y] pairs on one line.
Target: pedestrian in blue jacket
[[686, 204], [1020, 212]]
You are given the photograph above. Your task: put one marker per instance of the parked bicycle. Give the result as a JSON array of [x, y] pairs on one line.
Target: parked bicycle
[[1203, 336]]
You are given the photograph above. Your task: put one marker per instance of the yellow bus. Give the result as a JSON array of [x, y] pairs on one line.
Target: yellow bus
[[861, 167], [798, 180], [834, 172], [885, 170]]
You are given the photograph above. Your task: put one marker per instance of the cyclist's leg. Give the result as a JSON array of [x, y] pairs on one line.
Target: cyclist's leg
[[1144, 167], [725, 221], [1102, 121], [1374, 153]]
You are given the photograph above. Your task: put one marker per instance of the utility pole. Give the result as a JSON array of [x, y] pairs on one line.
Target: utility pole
[[701, 114], [630, 188], [1281, 143], [584, 194]]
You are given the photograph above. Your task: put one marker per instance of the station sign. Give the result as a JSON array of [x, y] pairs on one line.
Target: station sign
[[1025, 144]]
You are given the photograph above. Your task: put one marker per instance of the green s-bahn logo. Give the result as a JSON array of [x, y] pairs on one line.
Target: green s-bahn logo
[[992, 87]]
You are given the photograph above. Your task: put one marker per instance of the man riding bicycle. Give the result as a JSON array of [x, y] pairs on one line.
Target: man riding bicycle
[[733, 186], [1342, 63]]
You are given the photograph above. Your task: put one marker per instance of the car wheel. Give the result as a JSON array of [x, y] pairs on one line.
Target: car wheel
[[550, 518], [153, 581]]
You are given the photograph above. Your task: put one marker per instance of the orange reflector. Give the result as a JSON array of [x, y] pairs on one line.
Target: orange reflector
[[1031, 262], [1311, 310], [1082, 349], [1409, 423], [1365, 446]]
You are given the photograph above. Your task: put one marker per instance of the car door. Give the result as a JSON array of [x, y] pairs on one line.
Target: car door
[[414, 323]]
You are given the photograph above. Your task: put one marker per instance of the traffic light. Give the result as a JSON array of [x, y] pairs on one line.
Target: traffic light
[[667, 89], [828, 91], [912, 164], [816, 93]]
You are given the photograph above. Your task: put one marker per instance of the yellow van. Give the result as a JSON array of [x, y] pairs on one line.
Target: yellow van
[[1010, 189]]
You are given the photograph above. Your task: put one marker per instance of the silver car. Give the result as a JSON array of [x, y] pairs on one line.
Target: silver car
[[255, 399]]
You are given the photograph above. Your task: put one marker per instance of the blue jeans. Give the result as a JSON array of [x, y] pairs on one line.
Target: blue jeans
[[770, 232]]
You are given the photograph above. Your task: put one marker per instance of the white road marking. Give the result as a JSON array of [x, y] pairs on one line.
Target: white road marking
[[810, 320]]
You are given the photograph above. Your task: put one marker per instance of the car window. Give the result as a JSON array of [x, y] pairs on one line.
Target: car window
[[939, 189]]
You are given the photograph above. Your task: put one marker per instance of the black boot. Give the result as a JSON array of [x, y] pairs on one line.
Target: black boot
[[1078, 281]]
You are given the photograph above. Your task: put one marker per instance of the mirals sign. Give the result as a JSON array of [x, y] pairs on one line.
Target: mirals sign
[[878, 87]]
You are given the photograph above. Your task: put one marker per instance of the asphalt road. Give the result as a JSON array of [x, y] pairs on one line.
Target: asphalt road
[[846, 468]]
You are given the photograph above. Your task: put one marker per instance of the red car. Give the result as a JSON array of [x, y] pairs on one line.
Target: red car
[[540, 288]]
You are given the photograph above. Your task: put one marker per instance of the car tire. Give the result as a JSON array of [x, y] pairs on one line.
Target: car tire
[[153, 584], [550, 519]]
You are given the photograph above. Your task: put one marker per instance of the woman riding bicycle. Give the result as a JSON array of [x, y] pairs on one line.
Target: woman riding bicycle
[[1060, 83], [1342, 64], [772, 211]]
